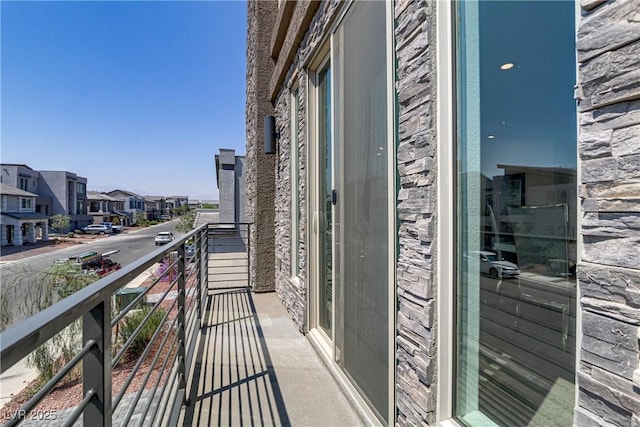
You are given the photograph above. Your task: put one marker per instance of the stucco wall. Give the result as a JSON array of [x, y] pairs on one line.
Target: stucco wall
[[609, 273], [260, 167]]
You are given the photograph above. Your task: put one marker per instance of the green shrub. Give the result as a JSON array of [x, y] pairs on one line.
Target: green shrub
[[132, 321]]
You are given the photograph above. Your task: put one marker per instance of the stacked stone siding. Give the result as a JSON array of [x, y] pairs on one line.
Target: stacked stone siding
[[293, 292], [609, 272], [416, 210]]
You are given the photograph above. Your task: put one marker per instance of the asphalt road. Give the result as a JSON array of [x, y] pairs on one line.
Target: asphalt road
[[19, 290]]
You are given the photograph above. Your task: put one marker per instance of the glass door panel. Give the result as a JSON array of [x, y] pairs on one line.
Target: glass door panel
[[516, 213], [362, 219], [325, 184]]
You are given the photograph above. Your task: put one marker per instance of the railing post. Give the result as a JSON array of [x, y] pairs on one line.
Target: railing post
[[198, 254], [96, 366], [182, 375]]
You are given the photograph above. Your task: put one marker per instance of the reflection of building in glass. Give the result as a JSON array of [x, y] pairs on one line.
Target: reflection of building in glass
[[530, 217]]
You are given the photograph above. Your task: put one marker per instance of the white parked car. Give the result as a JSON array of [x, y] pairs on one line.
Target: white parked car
[[164, 237], [492, 266], [96, 229]]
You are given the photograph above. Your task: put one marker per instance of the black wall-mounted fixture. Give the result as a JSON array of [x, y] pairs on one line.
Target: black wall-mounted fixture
[[270, 135]]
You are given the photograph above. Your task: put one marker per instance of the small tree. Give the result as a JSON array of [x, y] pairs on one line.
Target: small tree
[[141, 219], [186, 221], [59, 222]]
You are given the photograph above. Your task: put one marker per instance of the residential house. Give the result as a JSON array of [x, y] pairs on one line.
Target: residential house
[[194, 204], [403, 140], [23, 177], [105, 208], [19, 221], [175, 202], [155, 206], [231, 183], [68, 193], [132, 203]]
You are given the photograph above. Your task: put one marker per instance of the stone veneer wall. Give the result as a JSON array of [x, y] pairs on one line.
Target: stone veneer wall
[[609, 271], [293, 293], [416, 275], [260, 167]]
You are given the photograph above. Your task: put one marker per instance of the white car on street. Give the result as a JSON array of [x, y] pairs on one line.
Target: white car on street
[[163, 237], [96, 229], [494, 267]]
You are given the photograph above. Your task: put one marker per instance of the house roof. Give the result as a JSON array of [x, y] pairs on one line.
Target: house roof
[[125, 192], [26, 215], [16, 164], [95, 195], [13, 191]]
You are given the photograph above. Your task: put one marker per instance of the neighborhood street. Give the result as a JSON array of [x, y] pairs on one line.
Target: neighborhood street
[[19, 278]]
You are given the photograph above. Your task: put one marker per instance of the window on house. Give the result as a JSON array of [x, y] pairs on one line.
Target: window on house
[[24, 184], [25, 203], [80, 187], [296, 199], [516, 213]]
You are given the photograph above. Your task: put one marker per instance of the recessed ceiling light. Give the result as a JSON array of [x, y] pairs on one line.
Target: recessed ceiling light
[[507, 66], [491, 136]]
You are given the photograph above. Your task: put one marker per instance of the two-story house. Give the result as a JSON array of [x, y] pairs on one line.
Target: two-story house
[[19, 221], [25, 178], [68, 192], [175, 202], [155, 206], [132, 203], [105, 208]]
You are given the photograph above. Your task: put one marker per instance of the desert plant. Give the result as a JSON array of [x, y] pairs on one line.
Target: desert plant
[[141, 219], [59, 281], [131, 323]]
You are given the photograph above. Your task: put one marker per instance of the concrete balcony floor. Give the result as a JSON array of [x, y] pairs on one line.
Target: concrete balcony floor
[[255, 368]]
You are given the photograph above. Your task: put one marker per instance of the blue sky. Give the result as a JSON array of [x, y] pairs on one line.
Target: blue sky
[[135, 95]]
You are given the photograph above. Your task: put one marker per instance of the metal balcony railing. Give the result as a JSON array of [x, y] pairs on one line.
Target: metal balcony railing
[[175, 318]]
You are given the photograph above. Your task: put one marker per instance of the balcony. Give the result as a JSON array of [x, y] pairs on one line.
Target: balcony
[[218, 354]]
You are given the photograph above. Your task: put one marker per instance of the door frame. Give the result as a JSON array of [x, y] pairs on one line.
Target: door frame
[[323, 343]]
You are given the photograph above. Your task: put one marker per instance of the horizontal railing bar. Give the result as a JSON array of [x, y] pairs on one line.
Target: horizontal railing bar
[[20, 339], [160, 373], [78, 409], [142, 324], [48, 387], [141, 359]]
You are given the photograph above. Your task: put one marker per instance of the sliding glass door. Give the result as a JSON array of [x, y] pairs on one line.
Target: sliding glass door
[[354, 192]]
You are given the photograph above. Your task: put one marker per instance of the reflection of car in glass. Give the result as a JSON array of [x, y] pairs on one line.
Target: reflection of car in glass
[[492, 266], [163, 237], [190, 252], [97, 229]]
